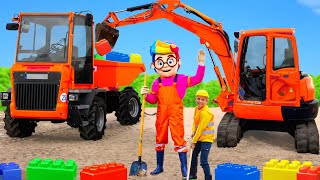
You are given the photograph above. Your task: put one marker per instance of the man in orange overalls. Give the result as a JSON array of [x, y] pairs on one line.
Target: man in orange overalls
[[168, 91]]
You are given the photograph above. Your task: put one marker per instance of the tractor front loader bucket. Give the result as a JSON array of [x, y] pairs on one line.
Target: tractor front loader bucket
[[104, 31]]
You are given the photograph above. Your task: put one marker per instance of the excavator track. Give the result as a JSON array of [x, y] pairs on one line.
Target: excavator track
[[229, 131], [307, 137]]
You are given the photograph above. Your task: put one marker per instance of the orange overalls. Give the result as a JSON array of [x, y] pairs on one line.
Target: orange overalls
[[170, 114]]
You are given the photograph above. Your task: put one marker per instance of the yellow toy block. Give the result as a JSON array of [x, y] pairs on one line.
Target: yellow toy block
[[283, 170], [135, 58]]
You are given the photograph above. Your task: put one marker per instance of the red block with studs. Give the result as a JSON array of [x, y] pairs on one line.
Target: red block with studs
[[307, 173], [104, 172]]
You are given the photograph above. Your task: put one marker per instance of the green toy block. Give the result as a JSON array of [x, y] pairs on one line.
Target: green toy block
[[98, 57], [48, 169]]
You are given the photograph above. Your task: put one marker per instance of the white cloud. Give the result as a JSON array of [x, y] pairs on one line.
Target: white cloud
[[317, 11], [313, 4]]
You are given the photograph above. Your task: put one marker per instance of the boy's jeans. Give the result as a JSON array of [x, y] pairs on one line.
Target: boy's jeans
[[204, 148]]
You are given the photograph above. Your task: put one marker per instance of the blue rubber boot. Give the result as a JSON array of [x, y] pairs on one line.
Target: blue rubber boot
[[159, 169], [183, 161]]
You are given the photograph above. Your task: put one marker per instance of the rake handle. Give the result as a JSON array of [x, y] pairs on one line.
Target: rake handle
[[142, 119]]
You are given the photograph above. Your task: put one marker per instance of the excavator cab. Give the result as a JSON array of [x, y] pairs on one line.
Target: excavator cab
[[268, 60]]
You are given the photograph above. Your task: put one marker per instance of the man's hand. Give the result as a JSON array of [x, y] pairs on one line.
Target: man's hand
[[193, 145], [144, 90], [201, 57]]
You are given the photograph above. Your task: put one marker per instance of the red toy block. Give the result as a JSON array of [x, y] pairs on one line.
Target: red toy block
[[103, 47], [307, 173], [104, 172]]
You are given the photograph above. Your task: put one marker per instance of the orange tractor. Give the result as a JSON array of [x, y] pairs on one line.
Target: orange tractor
[[264, 88], [56, 78]]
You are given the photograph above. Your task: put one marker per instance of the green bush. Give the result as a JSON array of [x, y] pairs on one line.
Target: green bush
[[5, 82]]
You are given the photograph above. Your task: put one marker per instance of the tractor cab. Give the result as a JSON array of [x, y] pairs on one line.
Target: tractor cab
[[56, 39]]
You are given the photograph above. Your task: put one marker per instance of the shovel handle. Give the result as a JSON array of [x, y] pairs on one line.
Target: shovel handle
[[189, 165], [142, 118]]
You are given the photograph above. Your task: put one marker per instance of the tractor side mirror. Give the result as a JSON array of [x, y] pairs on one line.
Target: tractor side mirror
[[236, 35], [89, 20], [12, 26], [236, 46]]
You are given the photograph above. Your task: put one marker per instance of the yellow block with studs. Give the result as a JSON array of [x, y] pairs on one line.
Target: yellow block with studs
[[135, 58], [282, 170]]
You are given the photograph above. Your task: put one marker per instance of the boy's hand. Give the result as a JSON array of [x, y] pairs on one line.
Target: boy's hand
[[144, 90], [193, 145], [201, 57], [193, 133]]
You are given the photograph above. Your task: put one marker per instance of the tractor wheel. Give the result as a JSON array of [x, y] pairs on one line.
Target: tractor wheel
[[229, 131], [93, 128], [18, 127], [129, 110], [307, 138]]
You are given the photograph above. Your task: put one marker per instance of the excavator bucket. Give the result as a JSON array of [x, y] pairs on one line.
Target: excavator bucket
[[104, 31]]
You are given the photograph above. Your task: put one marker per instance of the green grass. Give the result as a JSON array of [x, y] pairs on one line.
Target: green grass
[[212, 87]]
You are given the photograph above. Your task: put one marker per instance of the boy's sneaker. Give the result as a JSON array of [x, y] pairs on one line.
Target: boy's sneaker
[[193, 178]]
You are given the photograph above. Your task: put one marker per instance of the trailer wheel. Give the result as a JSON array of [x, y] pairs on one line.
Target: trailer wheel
[[18, 127], [93, 128], [129, 110]]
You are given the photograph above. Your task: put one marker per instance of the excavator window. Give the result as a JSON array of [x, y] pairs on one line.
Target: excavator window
[[283, 53], [253, 69]]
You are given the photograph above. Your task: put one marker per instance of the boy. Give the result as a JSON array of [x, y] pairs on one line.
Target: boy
[[202, 135]]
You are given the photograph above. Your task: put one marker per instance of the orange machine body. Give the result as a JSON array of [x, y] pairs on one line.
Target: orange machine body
[[107, 75]]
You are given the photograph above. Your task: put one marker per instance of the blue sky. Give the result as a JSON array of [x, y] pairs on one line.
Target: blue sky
[[303, 15]]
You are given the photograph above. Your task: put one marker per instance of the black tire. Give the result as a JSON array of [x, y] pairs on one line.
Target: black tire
[[222, 130], [301, 137], [18, 127], [233, 132], [313, 137], [95, 125], [129, 110]]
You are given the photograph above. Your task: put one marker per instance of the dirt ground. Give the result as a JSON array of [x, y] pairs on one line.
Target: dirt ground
[[120, 144]]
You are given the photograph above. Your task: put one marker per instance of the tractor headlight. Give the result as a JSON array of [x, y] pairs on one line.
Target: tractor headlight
[[73, 97], [5, 96]]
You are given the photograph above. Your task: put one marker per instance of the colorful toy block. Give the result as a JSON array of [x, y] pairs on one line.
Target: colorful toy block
[[102, 47], [116, 56], [135, 58], [48, 169], [307, 173], [104, 171], [230, 171], [274, 169], [10, 171]]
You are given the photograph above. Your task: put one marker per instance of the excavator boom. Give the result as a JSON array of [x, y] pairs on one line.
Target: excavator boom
[[210, 34]]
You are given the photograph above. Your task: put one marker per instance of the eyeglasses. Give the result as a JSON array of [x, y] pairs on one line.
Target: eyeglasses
[[159, 64]]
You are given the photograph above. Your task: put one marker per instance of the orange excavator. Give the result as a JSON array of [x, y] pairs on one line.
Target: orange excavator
[[263, 87]]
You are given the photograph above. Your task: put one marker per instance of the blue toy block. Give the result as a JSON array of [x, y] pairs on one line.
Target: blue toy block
[[116, 56], [230, 171], [10, 171]]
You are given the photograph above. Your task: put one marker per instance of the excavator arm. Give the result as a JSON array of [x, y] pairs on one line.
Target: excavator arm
[[210, 34]]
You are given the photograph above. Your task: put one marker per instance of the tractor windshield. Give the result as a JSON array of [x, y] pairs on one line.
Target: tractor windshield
[[43, 39]]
